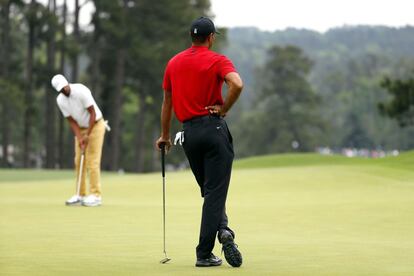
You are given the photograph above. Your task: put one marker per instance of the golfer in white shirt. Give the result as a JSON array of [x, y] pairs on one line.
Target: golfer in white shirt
[[76, 103]]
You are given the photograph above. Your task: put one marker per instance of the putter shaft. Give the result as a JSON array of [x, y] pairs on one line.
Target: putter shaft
[[163, 212], [166, 259], [80, 173]]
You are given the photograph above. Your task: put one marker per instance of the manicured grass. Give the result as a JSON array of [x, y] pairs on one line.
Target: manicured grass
[[295, 160], [19, 175], [403, 161], [293, 215]]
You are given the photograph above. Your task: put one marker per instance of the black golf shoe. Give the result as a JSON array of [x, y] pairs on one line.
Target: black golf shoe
[[231, 252], [210, 261]]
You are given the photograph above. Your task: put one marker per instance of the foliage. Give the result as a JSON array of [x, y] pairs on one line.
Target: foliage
[[145, 33], [284, 117], [349, 63], [150, 35], [401, 107]]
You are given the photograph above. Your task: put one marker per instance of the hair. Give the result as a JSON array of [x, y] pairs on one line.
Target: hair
[[199, 39]]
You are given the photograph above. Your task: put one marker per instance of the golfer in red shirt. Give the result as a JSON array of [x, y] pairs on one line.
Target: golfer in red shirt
[[192, 86]]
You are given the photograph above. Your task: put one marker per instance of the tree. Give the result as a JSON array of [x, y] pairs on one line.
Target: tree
[[401, 106], [96, 52], [136, 39], [31, 22], [73, 45], [4, 73], [61, 131], [76, 43], [11, 81], [285, 115], [123, 60], [50, 96], [161, 34], [349, 64], [117, 41], [42, 26]]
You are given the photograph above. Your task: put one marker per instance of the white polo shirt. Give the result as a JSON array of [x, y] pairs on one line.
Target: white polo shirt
[[80, 98]]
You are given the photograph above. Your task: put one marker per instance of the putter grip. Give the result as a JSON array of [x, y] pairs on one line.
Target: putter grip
[[162, 145]]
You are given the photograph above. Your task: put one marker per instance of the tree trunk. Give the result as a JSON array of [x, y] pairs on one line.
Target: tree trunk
[[140, 135], [61, 135], [27, 145], [74, 77], [96, 55], [117, 109], [50, 97], [5, 136], [76, 36], [155, 159], [5, 75]]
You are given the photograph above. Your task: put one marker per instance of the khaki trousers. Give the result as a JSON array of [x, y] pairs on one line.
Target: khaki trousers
[[92, 161]]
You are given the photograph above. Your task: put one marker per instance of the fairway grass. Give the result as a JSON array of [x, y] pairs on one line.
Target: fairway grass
[[303, 217]]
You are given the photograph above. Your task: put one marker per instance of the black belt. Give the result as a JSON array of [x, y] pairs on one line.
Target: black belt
[[200, 119]]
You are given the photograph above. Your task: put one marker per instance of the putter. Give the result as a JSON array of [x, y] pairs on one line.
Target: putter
[[80, 172], [166, 259]]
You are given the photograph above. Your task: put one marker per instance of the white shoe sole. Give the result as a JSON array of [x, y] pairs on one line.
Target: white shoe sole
[[95, 204], [77, 203]]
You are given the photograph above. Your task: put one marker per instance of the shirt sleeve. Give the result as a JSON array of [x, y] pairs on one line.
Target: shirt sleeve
[[86, 97], [166, 84], [225, 66], [62, 109]]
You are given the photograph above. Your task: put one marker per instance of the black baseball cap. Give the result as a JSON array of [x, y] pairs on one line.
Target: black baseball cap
[[203, 26]]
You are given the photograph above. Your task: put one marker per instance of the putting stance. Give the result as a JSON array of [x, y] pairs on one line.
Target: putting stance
[[192, 86], [76, 103]]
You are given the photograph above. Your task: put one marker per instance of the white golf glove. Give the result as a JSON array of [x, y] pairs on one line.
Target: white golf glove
[[179, 138]]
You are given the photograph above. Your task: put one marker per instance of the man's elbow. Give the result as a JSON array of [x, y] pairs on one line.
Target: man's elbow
[[238, 86], [234, 82]]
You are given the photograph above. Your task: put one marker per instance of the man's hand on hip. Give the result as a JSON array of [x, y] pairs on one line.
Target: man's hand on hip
[[216, 110]]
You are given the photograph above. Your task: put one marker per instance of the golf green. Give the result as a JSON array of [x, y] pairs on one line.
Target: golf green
[[292, 214]]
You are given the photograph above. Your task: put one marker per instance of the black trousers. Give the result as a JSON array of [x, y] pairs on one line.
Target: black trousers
[[208, 146]]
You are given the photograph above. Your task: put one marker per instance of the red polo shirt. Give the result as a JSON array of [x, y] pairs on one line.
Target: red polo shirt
[[195, 78]]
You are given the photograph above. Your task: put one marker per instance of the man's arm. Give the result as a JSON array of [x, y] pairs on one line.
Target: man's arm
[[235, 87], [92, 118], [166, 114], [76, 130], [92, 121]]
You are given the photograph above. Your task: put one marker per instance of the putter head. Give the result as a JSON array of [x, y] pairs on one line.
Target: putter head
[[165, 260]]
